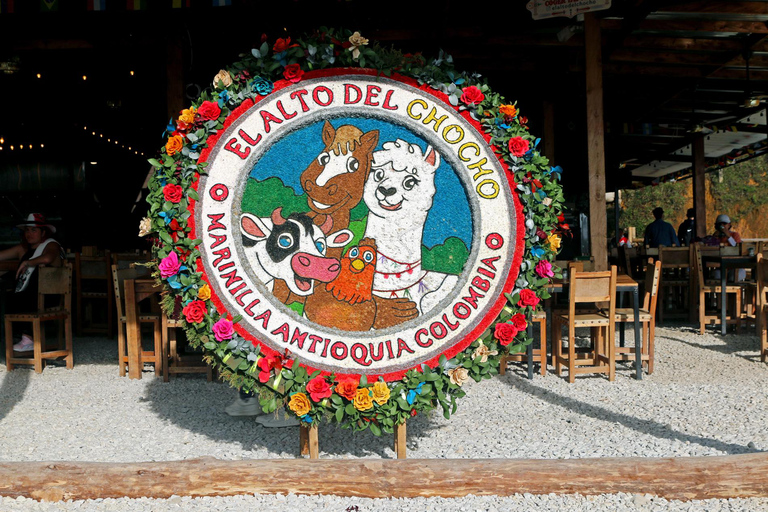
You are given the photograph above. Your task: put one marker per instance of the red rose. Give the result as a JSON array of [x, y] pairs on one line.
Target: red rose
[[518, 320], [195, 311], [209, 111], [318, 388], [505, 333], [518, 146], [413, 413], [347, 388], [174, 225], [293, 73], [472, 95], [528, 298], [173, 193], [283, 44]]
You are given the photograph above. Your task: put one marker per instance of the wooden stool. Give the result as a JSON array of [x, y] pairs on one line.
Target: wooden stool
[[175, 361], [309, 444]]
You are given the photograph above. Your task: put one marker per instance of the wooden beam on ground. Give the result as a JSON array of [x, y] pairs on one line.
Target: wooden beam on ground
[[598, 229], [685, 478]]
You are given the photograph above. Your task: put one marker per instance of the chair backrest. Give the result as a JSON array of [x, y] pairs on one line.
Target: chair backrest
[[55, 281], [746, 246], [652, 279], [119, 275], [593, 287], [700, 250], [92, 266], [625, 259], [675, 257], [127, 259], [730, 250], [762, 278]]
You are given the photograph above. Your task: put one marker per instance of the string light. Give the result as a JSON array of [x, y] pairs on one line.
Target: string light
[[39, 75], [2, 140], [85, 77], [131, 72]]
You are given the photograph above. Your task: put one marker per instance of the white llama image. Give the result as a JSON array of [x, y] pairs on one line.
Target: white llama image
[[399, 193]]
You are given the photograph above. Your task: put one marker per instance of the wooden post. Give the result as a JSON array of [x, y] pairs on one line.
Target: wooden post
[[683, 478], [133, 332], [699, 188], [595, 143], [549, 132], [309, 442], [400, 440]]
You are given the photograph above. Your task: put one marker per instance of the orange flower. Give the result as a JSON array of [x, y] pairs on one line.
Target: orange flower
[[363, 400], [508, 110], [299, 404], [347, 388], [174, 144], [204, 292]]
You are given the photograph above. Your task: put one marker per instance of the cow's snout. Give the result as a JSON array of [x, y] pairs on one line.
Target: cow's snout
[[310, 266], [386, 192]]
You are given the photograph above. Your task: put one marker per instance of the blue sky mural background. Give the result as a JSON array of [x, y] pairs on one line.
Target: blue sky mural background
[[450, 214]]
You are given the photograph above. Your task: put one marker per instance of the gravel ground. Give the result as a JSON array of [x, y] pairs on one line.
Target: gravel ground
[[706, 397]]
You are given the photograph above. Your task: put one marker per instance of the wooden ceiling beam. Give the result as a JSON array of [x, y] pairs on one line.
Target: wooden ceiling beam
[[675, 58], [742, 27], [682, 43], [718, 7]]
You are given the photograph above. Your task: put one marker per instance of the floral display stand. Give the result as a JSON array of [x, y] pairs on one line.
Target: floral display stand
[[353, 232]]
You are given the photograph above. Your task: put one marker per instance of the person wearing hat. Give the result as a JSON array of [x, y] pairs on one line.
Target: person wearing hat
[[723, 232], [659, 232], [38, 248]]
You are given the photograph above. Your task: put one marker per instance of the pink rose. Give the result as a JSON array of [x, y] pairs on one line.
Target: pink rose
[[318, 388], [169, 265], [544, 269], [209, 111], [173, 193], [195, 311], [223, 330], [293, 73], [519, 321], [518, 146], [505, 333], [528, 298], [471, 95]]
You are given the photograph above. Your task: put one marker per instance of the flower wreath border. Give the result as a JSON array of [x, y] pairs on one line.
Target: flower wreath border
[[351, 402]]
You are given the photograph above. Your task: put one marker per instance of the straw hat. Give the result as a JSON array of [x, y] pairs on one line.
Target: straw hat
[[36, 220]]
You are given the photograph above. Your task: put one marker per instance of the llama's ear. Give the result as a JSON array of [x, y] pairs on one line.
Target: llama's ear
[[369, 140], [254, 227], [328, 133], [432, 157]]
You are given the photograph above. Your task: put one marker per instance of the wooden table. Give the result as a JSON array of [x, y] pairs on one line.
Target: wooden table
[[624, 283], [725, 263], [136, 290]]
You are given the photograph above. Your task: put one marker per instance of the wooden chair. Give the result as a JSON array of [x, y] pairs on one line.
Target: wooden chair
[[152, 356], [51, 281], [647, 317], [92, 278], [539, 354], [762, 305], [708, 288], [129, 259], [675, 285], [587, 287], [176, 361]]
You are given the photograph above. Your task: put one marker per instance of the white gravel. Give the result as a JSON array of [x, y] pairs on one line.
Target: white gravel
[[706, 397]]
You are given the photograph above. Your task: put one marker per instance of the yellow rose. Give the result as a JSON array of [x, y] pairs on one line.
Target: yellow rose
[[458, 375], [204, 292], [380, 393], [363, 400], [508, 110], [188, 115], [554, 241], [222, 75], [174, 144], [145, 226], [299, 404]]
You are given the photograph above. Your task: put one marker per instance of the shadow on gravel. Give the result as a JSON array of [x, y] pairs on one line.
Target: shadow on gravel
[[732, 344], [198, 406], [12, 389], [649, 427]]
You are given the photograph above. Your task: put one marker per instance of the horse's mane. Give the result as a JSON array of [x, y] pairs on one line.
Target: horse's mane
[[345, 141]]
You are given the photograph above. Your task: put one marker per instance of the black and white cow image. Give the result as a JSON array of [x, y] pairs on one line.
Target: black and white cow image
[[291, 249]]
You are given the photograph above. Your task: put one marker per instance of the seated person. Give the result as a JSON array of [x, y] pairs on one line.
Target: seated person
[[659, 232], [37, 248], [724, 235]]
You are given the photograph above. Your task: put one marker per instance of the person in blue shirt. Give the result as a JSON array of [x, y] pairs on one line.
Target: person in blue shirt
[[659, 232]]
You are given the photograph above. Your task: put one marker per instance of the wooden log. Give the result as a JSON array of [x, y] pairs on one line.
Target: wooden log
[[685, 478]]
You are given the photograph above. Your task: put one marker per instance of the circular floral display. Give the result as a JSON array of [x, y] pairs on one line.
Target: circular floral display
[[353, 232]]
